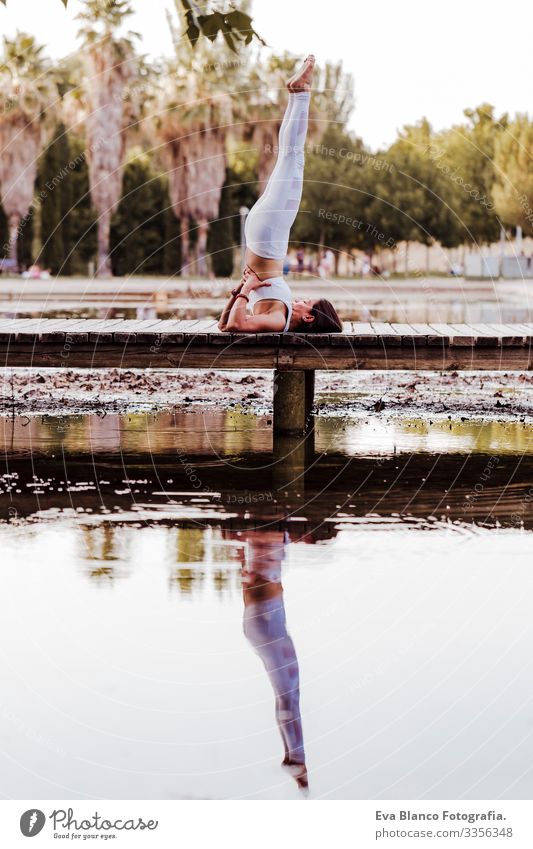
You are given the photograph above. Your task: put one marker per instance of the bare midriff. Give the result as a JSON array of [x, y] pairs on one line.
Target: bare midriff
[[264, 268]]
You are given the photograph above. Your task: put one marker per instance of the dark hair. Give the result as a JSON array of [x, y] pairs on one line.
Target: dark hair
[[326, 318]]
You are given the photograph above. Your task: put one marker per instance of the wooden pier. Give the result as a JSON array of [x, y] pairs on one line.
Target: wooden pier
[[294, 357]]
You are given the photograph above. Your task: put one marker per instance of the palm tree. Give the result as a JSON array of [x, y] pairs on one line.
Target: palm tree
[[27, 94], [109, 66], [192, 118]]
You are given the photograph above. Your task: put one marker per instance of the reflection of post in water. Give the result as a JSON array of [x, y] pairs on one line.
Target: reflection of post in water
[[291, 456], [265, 627]]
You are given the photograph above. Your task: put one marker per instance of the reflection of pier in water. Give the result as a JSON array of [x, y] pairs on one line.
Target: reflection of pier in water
[[299, 488]]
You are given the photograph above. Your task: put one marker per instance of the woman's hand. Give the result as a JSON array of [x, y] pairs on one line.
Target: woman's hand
[[252, 281]]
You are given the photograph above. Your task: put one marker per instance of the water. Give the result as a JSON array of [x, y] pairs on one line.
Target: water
[[164, 577]]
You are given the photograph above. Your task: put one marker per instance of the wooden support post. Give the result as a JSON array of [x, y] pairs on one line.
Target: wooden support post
[[293, 401]]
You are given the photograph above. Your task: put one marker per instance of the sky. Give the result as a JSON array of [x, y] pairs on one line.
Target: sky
[[408, 59]]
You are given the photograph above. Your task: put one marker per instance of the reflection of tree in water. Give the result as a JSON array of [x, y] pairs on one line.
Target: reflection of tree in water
[[102, 545], [200, 558], [190, 545], [187, 580]]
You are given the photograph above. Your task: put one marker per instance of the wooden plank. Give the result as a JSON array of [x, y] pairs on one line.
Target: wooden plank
[[510, 334], [456, 336], [175, 332], [409, 334], [61, 328], [131, 330], [98, 329], [303, 357], [269, 338], [168, 332], [220, 338], [318, 340], [362, 333], [244, 338], [32, 327], [198, 331], [10, 326], [527, 329], [386, 334], [290, 339], [362, 328], [486, 335], [520, 330], [342, 339], [67, 329], [433, 337]]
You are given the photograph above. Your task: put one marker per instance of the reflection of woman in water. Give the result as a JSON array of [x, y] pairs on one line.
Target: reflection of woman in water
[[265, 627]]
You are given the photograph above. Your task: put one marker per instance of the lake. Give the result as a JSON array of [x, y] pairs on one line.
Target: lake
[[183, 610]]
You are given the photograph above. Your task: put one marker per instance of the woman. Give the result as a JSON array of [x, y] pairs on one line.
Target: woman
[[262, 288]]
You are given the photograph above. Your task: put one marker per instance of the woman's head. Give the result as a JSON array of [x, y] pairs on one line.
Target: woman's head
[[315, 316]]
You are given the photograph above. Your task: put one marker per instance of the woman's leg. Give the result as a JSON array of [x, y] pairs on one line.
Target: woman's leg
[[265, 628], [270, 220]]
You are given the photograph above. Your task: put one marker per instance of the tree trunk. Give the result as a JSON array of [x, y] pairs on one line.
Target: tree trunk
[[201, 266], [184, 239], [14, 229], [103, 265]]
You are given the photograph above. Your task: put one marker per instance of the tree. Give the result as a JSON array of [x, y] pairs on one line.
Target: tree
[[192, 113], [235, 26], [27, 94], [138, 226], [81, 218], [54, 194], [220, 241], [337, 194], [109, 65], [414, 201], [464, 155], [513, 187]]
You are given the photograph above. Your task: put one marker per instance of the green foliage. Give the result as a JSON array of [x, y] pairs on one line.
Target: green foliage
[[55, 196], [82, 216], [465, 156], [4, 234], [235, 26], [412, 198], [139, 224], [513, 188], [337, 193], [220, 241], [172, 244], [25, 240]]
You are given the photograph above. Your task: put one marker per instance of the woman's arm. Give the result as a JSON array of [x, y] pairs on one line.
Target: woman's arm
[[238, 319], [223, 320]]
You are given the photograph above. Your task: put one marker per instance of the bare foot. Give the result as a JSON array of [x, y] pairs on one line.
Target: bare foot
[[298, 772], [301, 81]]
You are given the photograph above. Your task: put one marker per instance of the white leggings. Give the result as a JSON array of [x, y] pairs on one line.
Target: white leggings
[[269, 222]]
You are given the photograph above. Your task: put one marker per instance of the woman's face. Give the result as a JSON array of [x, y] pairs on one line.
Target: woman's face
[[301, 310]]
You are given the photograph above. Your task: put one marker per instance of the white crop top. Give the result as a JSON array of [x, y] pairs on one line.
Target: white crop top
[[277, 291]]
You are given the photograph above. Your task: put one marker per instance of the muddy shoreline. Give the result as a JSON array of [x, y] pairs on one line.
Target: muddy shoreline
[[61, 392]]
